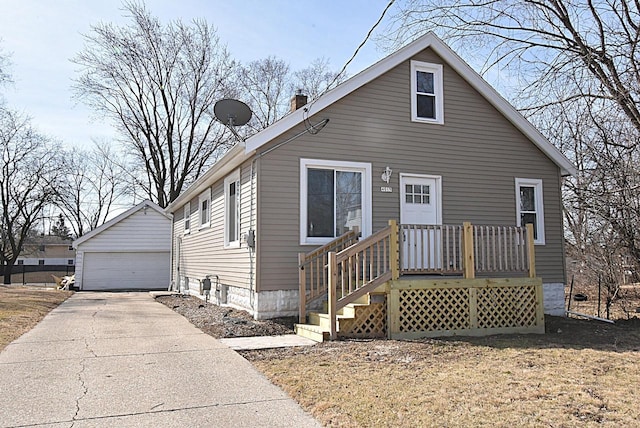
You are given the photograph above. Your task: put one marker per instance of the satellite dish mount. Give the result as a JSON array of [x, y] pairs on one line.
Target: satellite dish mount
[[232, 113]]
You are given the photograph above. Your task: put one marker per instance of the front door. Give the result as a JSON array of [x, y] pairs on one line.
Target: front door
[[420, 204]]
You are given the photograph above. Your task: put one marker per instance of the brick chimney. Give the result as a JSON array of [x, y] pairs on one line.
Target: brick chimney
[[298, 100]]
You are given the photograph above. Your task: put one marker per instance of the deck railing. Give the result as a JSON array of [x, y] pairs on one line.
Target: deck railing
[[360, 269], [312, 270], [346, 269], [428, 249], [501, 249]]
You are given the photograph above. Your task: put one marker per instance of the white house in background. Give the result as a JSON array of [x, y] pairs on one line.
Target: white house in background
[[129, 252]]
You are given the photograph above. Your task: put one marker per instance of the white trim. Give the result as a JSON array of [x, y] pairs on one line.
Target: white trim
[[429, 40], [438, 91], [187, 218], [536, 183], [362, 167], [234, 177], [437, 178], [204, 196], [118, 219]]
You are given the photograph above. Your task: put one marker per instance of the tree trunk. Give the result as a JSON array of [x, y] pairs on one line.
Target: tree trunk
[[8, 269]]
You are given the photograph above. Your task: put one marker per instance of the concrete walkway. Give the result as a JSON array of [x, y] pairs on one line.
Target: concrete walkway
[[124, 360]]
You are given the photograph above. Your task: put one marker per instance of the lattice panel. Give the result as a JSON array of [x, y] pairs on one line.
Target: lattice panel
[[369, 321], [502, 307], [434, 310]]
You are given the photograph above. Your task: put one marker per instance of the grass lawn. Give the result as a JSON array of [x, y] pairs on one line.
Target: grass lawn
[[581, 373], [21, 308]]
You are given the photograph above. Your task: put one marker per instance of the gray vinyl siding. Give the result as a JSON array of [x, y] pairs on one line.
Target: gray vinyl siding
[[477, 152], [202, 252]]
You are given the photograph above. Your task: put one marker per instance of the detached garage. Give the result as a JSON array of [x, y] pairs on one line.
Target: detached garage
[[129, 252]]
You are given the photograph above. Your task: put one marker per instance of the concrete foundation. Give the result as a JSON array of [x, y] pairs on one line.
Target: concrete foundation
[[554, 299]]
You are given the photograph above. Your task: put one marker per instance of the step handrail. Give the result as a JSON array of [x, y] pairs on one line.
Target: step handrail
[[360, 269], [314, 265]]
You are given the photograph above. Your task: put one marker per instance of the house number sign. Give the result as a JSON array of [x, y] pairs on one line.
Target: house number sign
[[386, 189]]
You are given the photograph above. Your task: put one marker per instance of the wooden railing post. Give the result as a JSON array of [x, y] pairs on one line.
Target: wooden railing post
[[394, 254], [531, 250], [469, 268], [332, 300], [302, 289]]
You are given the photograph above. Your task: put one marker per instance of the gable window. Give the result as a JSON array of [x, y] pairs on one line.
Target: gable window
[[335, 197], [232, 210], [426, 93], [20, 262], [529, 205], [41, 262], [204, 210], [187, 218]]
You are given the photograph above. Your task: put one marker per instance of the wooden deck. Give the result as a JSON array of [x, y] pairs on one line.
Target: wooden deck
[[429, 288]]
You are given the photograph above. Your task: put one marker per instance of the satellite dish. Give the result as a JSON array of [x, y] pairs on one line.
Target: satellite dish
[[232, 112]]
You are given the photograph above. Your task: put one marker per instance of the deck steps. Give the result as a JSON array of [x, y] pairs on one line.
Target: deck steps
[[313, 332], [319, 326]]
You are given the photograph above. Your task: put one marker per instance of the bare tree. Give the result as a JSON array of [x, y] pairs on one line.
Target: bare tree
[[573, 70], [158, 84], [316, 79], [588, 48], [31, 167], [92, 183], [268, 85], [267, 90]]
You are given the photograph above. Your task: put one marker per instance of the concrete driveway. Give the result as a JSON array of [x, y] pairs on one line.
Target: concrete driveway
[[124, 360]]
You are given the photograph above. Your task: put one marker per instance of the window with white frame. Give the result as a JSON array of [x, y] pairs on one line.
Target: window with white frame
[[232, 210], [204, 210], [187, 218], [335, 197], [426, 93], [530, 207]]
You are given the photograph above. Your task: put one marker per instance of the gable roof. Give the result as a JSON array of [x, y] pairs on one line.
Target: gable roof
[[252, 145], [118, 219]]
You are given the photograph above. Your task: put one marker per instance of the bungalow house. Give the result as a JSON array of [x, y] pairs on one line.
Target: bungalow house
[[418, 159]]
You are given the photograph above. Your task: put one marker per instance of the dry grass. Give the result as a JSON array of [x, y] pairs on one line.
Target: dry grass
[[21, 308], [580, 373]]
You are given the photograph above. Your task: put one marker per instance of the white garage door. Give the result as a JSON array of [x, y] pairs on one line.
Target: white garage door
[[125, 271]]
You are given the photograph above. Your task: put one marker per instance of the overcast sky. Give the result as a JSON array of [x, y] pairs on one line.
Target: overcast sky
[[42, 36]]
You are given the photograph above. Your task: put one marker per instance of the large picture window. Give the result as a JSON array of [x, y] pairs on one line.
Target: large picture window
[[530, 208], [426, 93], [335, 198]]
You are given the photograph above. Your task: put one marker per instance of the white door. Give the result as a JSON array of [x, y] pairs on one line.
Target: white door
[[126, 271], [420, 204]]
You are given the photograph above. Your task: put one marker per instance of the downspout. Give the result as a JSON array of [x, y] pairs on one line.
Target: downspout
[[171, 254]]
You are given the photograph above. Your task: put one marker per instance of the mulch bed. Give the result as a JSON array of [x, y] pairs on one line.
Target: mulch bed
[[223, 322]]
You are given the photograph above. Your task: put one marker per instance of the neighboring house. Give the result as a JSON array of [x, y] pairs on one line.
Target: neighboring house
[[129, 252], [51, 251], [418, 137]]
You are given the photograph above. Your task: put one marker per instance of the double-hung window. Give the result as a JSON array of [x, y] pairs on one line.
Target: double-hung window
[[204, 210], [187, 218], [530, 208], [232, 210], [426, 93], [335, 197]]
